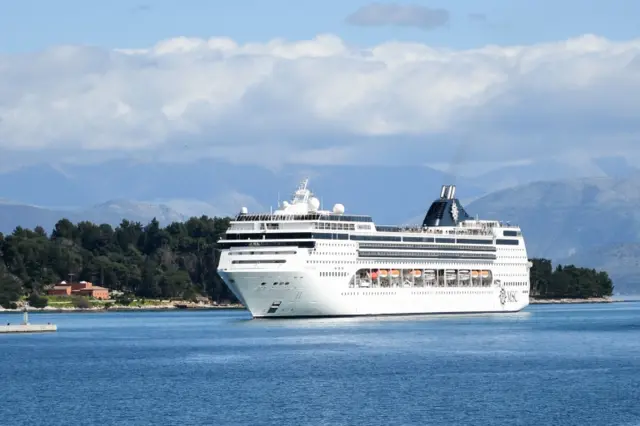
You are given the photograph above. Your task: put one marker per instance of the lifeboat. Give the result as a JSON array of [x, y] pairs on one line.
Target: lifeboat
[[395, 273], [383, 273], [485, 274], [374, 275], [416, 273], [474, 274], [429, 274]]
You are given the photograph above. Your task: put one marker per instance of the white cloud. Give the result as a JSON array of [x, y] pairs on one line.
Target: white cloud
[[323, 100]]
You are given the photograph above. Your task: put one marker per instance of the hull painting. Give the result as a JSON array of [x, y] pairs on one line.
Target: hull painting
[[302, 294]]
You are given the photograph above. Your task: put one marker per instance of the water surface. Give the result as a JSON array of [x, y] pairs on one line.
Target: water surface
[[548, 365]]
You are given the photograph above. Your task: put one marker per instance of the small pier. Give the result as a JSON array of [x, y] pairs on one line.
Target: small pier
[[26, 326]]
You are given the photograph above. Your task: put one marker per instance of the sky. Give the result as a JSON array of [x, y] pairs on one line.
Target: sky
[[319, 82]]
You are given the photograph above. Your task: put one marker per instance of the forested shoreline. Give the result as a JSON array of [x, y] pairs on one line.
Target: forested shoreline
[[173, 262], [179, 262], [567, 281]]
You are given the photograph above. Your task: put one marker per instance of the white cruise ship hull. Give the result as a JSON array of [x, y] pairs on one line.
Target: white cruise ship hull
[[307, 295], [304, 262]]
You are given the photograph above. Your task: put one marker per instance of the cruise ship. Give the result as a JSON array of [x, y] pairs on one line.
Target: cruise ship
[[302, 261]]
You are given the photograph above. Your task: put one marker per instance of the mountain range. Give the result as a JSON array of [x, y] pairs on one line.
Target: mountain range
[[111, 212], [589, 222], [569, 218]]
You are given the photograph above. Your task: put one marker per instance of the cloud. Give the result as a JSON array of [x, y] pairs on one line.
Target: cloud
[[378, 14], [321, 101]]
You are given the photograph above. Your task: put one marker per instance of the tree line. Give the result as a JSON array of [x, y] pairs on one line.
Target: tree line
[[178, 261], [567, 281]]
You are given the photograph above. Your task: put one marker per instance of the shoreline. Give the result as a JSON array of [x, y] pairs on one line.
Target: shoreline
[[147, 308]]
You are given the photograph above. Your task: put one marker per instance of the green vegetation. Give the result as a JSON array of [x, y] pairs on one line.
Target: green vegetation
[[567, 281], [37, 301], [175, 262]]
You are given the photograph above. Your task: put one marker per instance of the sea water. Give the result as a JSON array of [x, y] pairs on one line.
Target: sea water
[[548, 365]]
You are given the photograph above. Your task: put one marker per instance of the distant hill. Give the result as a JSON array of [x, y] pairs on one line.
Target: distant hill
[[554, 170], [111, 212], [574, 220], [559, 218], [390, 193]]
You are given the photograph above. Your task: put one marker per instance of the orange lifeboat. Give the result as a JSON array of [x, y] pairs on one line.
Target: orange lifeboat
[[383, 273], [395, 273]]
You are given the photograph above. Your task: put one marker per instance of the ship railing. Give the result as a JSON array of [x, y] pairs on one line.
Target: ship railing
[[312, 216], [488, 224], [436, 231]]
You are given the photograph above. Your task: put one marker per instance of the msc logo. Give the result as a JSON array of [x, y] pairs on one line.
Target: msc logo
[[507, 296]]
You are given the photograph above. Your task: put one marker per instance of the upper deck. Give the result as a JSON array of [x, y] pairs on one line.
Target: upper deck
[[445, 217]]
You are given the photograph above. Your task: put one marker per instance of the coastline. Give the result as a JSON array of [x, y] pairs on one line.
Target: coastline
[[122, 308]]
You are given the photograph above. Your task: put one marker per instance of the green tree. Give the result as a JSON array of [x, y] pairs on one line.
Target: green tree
[[10, 288], [179, 260], [37, 301], [567, 281]]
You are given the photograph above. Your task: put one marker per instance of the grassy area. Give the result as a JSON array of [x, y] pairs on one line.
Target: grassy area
[[60, 301]]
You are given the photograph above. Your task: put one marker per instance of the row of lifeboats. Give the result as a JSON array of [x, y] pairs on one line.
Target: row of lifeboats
[[430, 274]]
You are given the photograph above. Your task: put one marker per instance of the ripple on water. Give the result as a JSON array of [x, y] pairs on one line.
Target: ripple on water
[[559, 365]]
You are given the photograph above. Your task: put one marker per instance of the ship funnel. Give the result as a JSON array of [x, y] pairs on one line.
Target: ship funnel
[[448, 192]]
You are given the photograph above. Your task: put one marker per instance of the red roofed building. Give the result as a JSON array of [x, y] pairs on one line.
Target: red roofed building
[[83, 288], [59, 290]]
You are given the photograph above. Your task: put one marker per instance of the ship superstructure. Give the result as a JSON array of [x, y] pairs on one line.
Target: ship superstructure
[[301, 261]]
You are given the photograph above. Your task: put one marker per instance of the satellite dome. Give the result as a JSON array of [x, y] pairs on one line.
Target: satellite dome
[[338, 209], [314, 204], [244, 210]]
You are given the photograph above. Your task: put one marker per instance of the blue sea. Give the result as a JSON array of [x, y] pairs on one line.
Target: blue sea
[[548, 365]]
